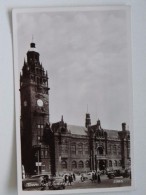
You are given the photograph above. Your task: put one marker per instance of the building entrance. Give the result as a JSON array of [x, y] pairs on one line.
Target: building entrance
[[102, 164]]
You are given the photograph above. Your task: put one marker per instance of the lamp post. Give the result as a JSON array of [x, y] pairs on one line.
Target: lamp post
[[38, 156]]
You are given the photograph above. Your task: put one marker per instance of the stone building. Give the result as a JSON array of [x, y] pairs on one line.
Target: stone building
[[60, 147]]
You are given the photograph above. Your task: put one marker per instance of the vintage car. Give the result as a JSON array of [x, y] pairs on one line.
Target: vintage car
[[89, 175], [57, 183], [110, 174], [118, 173], [35, 181]]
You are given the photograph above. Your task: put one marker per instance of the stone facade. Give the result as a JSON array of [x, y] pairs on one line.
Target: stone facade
[[59, 147]]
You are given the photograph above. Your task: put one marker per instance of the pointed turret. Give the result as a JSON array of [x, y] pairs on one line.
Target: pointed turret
[[87, 120]]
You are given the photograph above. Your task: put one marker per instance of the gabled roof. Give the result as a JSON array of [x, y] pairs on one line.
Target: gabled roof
[[81, 130], [112, 133], [77, 130]]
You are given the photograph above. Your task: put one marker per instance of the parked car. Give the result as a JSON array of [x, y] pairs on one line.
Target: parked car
[[110, 174], [35, 181], [89, 175], [57, 183], [118, 173]]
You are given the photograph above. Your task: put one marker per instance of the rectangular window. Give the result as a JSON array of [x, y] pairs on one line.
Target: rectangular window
[[73, 149], [119, 150], [42, 153], [114, 149], [40, 126], [86, 150], [109, 149], [80, 149], [64, 149], [40, 130], [46, 153]]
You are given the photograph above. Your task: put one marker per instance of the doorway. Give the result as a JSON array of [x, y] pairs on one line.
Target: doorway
[[102, 165]]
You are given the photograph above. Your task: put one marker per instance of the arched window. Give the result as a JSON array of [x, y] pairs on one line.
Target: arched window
[[120, 163], [87, 164], [74, 164], [115, 163], [100, 150], [64, 164], [81, 164], [110, 163], [80, 148]]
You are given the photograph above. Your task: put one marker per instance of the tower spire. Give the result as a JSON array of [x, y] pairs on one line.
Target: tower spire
[[87, 120], [32, 38], [32, 44]]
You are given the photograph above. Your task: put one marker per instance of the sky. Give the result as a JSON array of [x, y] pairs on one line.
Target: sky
[[86, 54]]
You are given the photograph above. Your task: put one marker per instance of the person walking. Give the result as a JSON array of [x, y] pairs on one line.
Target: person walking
[[98, 178], [65, 179], [70, 179], [82, 178], [74, 177], [44, 182], [93, 177]]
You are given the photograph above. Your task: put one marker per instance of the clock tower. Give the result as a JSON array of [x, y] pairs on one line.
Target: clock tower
[[34, 93]]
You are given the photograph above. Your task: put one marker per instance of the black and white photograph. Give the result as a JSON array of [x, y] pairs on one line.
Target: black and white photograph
[[73, 99]]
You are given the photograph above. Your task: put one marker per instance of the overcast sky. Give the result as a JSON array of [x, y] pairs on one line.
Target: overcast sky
[[86, 55]]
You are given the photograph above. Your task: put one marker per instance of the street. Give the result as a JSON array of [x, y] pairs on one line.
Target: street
[[105, 183]]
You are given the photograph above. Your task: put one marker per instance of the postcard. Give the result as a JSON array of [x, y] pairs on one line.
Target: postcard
[[73, 96]]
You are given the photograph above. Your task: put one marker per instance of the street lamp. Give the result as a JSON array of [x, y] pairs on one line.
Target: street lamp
[[38, 163]]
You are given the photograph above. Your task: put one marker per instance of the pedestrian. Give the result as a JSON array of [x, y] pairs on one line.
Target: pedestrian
[[70, 179], [92, 177], [95, 176], [82, 178], [98, 178], [65, 179], [74, 177], [44, 182]]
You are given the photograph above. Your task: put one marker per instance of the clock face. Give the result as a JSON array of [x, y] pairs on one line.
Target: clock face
[[40, 103]]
